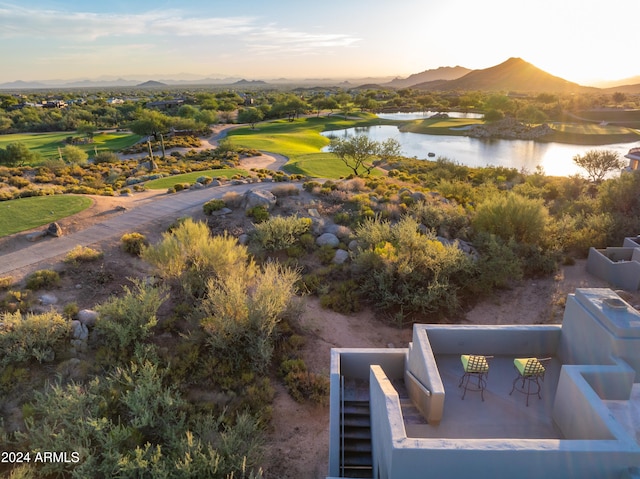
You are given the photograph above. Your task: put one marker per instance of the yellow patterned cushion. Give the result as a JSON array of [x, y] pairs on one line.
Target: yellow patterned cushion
[[474, 364], [528, 366]]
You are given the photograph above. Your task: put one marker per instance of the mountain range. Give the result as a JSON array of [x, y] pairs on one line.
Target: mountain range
[[515, 74]]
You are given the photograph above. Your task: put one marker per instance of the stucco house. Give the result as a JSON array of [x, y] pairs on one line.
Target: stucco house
[[399, 413]]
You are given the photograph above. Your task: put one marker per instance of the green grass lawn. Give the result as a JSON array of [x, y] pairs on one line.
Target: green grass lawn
[[301, 142], [27, 213], [169, 181], [47, 144], [440, 126], [592, 133]]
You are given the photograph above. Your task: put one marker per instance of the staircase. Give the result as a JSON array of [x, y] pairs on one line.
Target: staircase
[[356, 460]]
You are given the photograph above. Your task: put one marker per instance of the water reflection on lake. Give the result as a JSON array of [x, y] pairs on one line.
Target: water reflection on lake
[[555, 158]]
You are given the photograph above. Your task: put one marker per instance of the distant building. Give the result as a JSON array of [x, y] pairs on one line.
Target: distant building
[[634, 159], [165, 105]]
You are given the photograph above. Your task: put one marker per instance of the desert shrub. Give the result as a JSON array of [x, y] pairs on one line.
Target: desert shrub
[[18, 181], [281, 191], [24, 338], [232, 199], [303, 384], [400, 269], [213, 205], [280, 232], [126, 319], [133, 243], [497, 265], [42, 279], [309, 186], [189, 255], [6, 282], [131, 424], [16, 301], [82, 254], [575, 234], [241, 313], [512, 216], [325, 254], [258, 213], [70, 310], [181, 186], [171, 190], [106, 157], [445, 219], [342, 297]]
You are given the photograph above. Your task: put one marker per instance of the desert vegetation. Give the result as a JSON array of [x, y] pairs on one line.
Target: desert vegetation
[[172, 371]]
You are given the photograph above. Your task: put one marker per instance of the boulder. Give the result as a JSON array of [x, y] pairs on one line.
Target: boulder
[[55, 230], [418, 196], [196, 186], [215, 183], [328, 239], [341, 256], [221, 212], [340, 231], [353, 245], [88, 317], [253, 198], [48, 299], [79, 331], [243, 239]]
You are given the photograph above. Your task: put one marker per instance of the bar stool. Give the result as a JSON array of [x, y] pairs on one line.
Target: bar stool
[[530, 371], [474, 366]]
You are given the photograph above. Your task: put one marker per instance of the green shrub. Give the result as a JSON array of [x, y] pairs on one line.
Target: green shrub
[[34, 336], [512, 216], [82, 254], [280, 232], [258, 213], [42, 279], [181, 186], [124, 320], [326, 253], [497, 265], [70, 310], [6, 282], [342, 298], [303, 384], [213, 205], [133, 243]]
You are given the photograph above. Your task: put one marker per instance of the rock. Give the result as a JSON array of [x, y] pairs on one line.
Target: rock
[[418, 196], [423, 229], [88, 317], [340, 231], [36, 235], [341, 256], [328, 239], [202, 179], [121, 208], [47, 299], [79, 331], [313, 212], [243, 239], [55, 230], [196, 186], [221, 212], [253, 198], [353, 245], [214, 183]]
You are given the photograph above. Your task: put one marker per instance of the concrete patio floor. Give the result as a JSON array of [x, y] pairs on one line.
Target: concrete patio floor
[[500, 415]]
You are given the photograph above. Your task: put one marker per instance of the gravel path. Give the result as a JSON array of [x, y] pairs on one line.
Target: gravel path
[[174, 205]]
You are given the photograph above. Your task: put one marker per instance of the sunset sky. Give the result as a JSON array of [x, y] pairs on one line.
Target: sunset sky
[[580, 40]]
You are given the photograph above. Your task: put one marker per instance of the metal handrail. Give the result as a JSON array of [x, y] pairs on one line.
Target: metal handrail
[[341, 426]]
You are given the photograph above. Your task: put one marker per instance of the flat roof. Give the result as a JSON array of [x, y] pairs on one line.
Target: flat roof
[[500, 415]]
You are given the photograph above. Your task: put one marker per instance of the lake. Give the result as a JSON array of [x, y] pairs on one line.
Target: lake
[[555, 158]]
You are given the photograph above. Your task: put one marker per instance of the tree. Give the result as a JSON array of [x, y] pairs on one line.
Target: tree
[[150, 123], [17, 154], [359, 152], [251, 116], [85, 128], [598, 163]]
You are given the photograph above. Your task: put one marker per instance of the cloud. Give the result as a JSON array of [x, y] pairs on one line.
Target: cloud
[[270, 39], [22, 22]]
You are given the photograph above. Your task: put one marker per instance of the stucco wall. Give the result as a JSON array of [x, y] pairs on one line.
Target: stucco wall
[[618, 266]]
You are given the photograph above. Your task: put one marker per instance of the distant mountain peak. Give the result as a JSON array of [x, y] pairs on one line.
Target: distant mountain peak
[[151, 83], [441, 73]]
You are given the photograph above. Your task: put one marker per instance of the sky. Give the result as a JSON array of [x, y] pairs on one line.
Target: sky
[[584, 41]]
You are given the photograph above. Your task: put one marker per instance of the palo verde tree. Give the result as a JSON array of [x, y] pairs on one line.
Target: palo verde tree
[[250, 115], [598, 163], [359, 152]]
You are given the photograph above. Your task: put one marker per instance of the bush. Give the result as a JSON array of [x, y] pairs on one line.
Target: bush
[[342, 298], [281, 191], [213, 205], [512, 216], [258, 213], [303, 384], [42, 279], [71, 310], [82, 254], [125, 320], [232, 199], [280, 232], [133, 243], [6, 282], [181, 186], [34, 336]]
